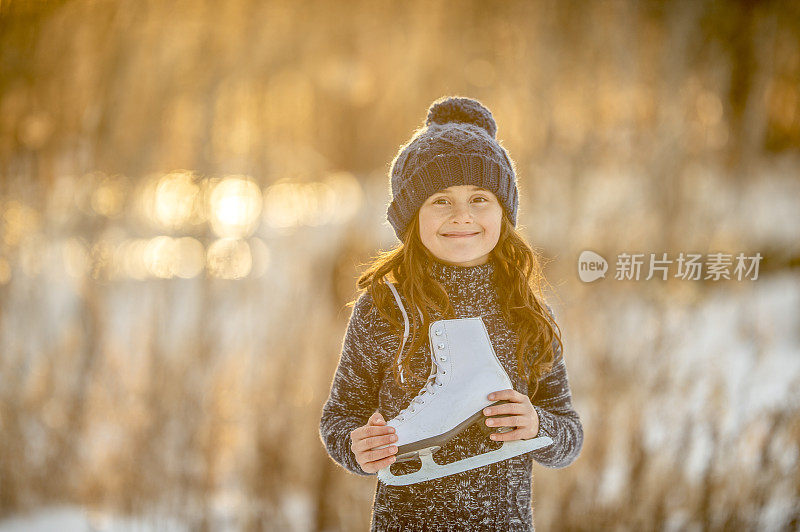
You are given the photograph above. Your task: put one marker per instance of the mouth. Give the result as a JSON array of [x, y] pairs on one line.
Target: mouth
[[460, 234]]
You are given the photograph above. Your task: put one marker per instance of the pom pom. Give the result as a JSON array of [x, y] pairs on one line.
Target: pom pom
[[465, 110]]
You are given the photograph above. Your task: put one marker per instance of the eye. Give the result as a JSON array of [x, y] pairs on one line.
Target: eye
[[482, 198], [438, 200]]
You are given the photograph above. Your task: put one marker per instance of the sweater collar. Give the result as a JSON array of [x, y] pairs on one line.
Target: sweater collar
[[467, 284]]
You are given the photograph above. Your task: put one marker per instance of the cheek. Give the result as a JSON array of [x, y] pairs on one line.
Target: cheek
[[427, 226], [493, 219], [493, 226]]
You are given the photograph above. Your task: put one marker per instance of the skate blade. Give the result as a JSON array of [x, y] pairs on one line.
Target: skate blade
[[431, 470]]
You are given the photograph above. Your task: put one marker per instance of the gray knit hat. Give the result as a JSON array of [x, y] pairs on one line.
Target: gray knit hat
[[457, 146]]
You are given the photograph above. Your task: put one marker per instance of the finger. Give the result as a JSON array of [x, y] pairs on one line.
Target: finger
[[366, 431], [375, 430], [375, 419], [377, 454], [509, 394], [516, 434], [372, 467], [509, 421], [355, 435], [365, 456], [377, 441], [362, 434], [505, 408]]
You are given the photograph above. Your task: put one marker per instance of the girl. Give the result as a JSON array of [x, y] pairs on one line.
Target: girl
[[454, 209]]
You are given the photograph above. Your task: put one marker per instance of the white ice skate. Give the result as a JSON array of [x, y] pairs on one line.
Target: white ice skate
[[464, 371]]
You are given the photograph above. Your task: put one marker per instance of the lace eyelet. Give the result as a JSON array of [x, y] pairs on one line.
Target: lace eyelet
[[440, 384]]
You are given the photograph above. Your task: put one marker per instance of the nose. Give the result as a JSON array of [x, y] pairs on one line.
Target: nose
[[461, 213]]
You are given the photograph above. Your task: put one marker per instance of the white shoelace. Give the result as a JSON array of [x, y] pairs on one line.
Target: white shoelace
[[405, 322], [429, 389]]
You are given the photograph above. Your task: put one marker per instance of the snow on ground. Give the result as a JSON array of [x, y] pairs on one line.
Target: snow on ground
[[298, 510], [76, 519]]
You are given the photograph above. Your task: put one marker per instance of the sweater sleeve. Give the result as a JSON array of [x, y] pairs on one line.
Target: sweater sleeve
[[557, 418], [354, 391]]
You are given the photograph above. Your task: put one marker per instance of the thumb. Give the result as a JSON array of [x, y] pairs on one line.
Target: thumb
[[376, 419]]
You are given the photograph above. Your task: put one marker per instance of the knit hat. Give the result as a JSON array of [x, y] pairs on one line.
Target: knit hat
[[457, 146]]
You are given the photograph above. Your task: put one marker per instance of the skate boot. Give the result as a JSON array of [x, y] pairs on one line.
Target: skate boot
[[464, 371]]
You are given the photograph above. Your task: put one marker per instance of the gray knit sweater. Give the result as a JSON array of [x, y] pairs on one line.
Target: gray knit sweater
[[492, 497]]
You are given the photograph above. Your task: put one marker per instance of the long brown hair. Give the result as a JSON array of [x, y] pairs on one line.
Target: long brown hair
[[519, 278]]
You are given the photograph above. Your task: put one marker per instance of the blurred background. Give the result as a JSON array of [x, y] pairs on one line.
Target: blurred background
[[189, 190]]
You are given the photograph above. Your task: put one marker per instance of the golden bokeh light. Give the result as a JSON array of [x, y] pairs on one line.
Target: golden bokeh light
[[18, 221], [229, 258], [284, 205], [321, 204], [234, 207], [348, 196], [161, 257], [174, 200], [130, 257], [108, 199], [332, 201]]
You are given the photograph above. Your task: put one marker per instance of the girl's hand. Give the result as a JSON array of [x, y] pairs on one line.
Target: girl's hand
[[521, 415], [374, 434]]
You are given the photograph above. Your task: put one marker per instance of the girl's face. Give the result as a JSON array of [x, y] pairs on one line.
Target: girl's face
[[460, 225]]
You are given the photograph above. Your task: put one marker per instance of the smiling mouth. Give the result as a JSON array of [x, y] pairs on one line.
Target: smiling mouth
[[459, 235]]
